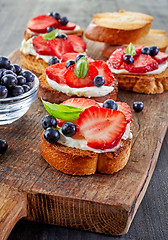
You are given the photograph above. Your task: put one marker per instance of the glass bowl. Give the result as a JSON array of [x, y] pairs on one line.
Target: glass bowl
[[13, 108]]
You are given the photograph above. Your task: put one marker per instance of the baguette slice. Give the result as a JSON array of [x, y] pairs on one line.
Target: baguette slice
[[118, 28], [155, 37]]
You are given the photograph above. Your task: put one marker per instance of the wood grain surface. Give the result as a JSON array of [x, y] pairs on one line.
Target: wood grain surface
[[151, 219]]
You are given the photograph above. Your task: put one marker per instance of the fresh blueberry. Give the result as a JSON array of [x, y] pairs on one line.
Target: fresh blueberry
[[4, 62], [26, 88], [69, 63], [98, 81], [3, 92], [128, 59], [9, 80], [29, 84], [111, 104], [64, 21], [28, 75], [6, 72], [154, 51], [21, 80], [62, 36], [12, 68], [138, 106], [49, 121], [50, 14], [80, 56], [17, 90], [56, 15], [51, 135], [3, 146], [68, 129], [50, 29], [53, 60], [145, 50], [18, 69]]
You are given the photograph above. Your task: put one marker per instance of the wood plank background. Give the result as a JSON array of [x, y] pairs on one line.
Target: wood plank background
[[152, 217]]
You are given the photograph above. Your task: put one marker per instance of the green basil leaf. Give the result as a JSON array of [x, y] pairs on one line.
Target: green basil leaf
[[51, 35], [62, 112], [130, 50], [81, 68]]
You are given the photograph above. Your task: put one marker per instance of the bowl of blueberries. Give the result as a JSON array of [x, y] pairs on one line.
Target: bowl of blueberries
[[18, 90]]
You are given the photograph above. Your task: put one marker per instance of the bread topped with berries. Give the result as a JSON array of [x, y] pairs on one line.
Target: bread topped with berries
[[140, 69], [77, 75], [98, 138], [117, 28], [46, 23]]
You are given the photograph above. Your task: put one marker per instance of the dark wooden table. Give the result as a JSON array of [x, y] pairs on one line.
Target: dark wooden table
[[151, 220]]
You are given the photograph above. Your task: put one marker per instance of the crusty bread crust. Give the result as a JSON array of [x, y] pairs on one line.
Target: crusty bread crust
[[143, 83], [82, 162], [79, 33], [49, 94]]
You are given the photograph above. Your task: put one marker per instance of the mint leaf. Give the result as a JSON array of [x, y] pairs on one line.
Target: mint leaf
[[81, 68], [63, 112], [130, 50], [51, 35]]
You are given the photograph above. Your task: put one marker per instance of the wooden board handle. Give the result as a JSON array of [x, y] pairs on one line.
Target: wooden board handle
[[13, 206]]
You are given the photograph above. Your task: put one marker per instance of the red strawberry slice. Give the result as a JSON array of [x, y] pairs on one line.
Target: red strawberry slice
[[59, 46], [104, 71], [68, 56], [161, 57], [125, 108], [138, 50], [75, 82], [116, 58], [56, 72], [78, 43], [40, 45], [40, 23], [142, 64], [101, 127], [68, 26]]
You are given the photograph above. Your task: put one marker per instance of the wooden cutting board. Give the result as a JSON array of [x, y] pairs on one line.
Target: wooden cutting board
[[101, 203]]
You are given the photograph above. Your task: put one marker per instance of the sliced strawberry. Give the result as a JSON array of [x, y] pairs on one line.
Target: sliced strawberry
[[116, 58], [56, 72], [75, 82], [40, 23], [104, 71], [78, 43], [68, 26], [101, 127], [142, 64], [125, 108], [68, 56], [59, 46], [161, 57], [40, 45], [138, 50]]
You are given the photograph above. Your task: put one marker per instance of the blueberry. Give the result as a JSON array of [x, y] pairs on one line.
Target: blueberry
[[49, 121], [50, 14], [138, 106], [145, 50], [51, 135], [154, 51], [50, 29], [3, 146], [68, 129], [111, 104], [80, 56], [128, 59], [26, 88], [28, 75], [4, 62], [29, 84], [64, 21], [1, 71], [56, 15], [12, 68], [3, 91], [17, 90], [9, 80], [6, 72], [69, 63], [53, 60], [98, 81], [21, 80], [62, 36], [18, 69]]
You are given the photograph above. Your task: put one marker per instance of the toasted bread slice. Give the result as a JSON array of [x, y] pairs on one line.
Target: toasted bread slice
[[51, 95], [82, 162], [155, 37], [118, 28]]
